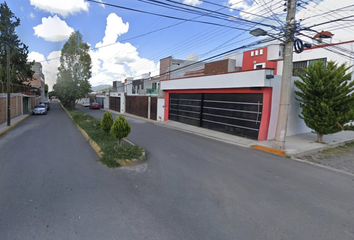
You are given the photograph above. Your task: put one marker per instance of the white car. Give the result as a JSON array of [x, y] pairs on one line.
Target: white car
[[85, 104], [40, 110]]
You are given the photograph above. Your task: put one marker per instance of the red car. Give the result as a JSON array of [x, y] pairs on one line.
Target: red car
[[95, 106]]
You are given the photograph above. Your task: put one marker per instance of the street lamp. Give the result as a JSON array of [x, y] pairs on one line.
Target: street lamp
[[282, 123], [258, 32]]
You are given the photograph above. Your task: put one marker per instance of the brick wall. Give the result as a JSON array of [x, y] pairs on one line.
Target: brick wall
[[2, 109], [15, 104]]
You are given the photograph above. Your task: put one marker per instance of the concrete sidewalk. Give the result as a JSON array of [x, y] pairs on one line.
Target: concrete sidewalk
[[15, 121], [296, 145]]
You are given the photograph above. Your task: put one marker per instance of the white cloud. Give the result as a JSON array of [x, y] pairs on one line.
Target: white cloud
[[193, 2], [119, 60], [322, 12], [53, 29], [250, 9], [31, 15], [62, 7], [114, 28], [102, 5], [321, 9], [49, 66], [114, 62]]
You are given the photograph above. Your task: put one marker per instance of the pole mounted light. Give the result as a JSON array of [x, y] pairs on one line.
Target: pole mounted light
[[280, 135], [258, 32]]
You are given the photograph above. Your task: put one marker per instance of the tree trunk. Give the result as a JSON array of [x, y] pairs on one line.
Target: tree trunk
[[72, 104], [319, 138]]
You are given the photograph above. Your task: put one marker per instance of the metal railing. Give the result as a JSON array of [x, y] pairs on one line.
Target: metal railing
[[151, 91], [18, 88]]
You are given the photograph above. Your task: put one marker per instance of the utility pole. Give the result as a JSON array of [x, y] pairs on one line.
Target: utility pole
[[282, 124], [8, 86]]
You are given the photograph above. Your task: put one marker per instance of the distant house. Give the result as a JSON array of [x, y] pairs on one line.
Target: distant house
[[38, 80]]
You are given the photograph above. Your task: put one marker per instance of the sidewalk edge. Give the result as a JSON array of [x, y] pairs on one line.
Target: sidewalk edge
[[13, 125]]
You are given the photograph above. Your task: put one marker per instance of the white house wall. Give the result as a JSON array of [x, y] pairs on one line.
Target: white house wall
[[229, 80], [160, 109]]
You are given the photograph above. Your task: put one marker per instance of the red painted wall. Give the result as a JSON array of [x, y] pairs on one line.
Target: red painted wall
[[248, 60], [267, 103]]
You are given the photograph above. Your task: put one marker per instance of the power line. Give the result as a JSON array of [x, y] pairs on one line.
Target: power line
[[212, 11], [165, 16], [212, 57]]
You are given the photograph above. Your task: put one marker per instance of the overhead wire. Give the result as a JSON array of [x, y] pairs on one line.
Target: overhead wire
[[162, 15], [210, 58], [247, 29]]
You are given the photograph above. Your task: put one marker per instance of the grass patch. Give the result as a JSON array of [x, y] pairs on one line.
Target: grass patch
[[106, 142], [338, 150]]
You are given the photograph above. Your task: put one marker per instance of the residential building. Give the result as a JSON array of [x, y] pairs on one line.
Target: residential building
[[38, 80], [244, 103]]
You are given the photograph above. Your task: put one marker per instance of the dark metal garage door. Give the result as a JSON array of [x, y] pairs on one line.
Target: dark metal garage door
[[235, 113], [114, 103]]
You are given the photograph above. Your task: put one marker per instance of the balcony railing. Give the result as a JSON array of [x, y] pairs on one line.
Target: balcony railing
[[151, 91]]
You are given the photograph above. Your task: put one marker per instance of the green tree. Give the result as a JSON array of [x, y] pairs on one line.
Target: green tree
[[106, 122], [120, 129], [20, 69], [326, 97], [74, 71]]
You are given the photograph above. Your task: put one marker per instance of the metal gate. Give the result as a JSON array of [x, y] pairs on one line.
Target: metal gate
[[139, 106], [114, 103], [25, 105], [235, 113]]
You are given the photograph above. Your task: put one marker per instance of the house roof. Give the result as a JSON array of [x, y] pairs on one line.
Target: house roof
[[323, 34]]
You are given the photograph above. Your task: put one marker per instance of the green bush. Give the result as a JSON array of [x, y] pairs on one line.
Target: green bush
[[106, 122], [120, 129]]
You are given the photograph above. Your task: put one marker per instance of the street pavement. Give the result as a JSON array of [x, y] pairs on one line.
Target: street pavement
[[191, 187]]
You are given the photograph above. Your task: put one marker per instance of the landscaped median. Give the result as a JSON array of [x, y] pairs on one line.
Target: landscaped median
[[105, 144]]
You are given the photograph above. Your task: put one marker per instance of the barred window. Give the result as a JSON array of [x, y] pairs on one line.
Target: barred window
[[298, 66]]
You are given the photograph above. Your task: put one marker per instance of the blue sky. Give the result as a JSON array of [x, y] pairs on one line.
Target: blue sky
[[128, 43]]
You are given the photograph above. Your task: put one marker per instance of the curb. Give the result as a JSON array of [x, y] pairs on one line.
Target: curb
[[269, 150], [132, 162], [12, 126], [97, 148], [323, 166]]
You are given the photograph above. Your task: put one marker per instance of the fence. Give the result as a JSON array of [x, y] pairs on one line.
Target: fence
[[18, 88]]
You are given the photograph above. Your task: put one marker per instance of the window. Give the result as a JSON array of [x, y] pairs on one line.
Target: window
[[298, 66], [256, 53], [259, 66], [154, 86], [252, 54], [261, 52]]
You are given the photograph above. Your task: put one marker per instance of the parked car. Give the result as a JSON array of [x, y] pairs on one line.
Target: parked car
[[95, 106], [85, 104], [46, 103], [39, 109]]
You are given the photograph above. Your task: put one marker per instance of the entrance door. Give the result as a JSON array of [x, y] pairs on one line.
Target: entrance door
[[114, 103]]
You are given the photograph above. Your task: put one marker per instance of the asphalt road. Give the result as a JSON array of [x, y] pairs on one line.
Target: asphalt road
[[52, 187]]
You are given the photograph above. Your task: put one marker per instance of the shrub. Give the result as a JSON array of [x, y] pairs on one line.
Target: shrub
[[106, 122], [120, 129]]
